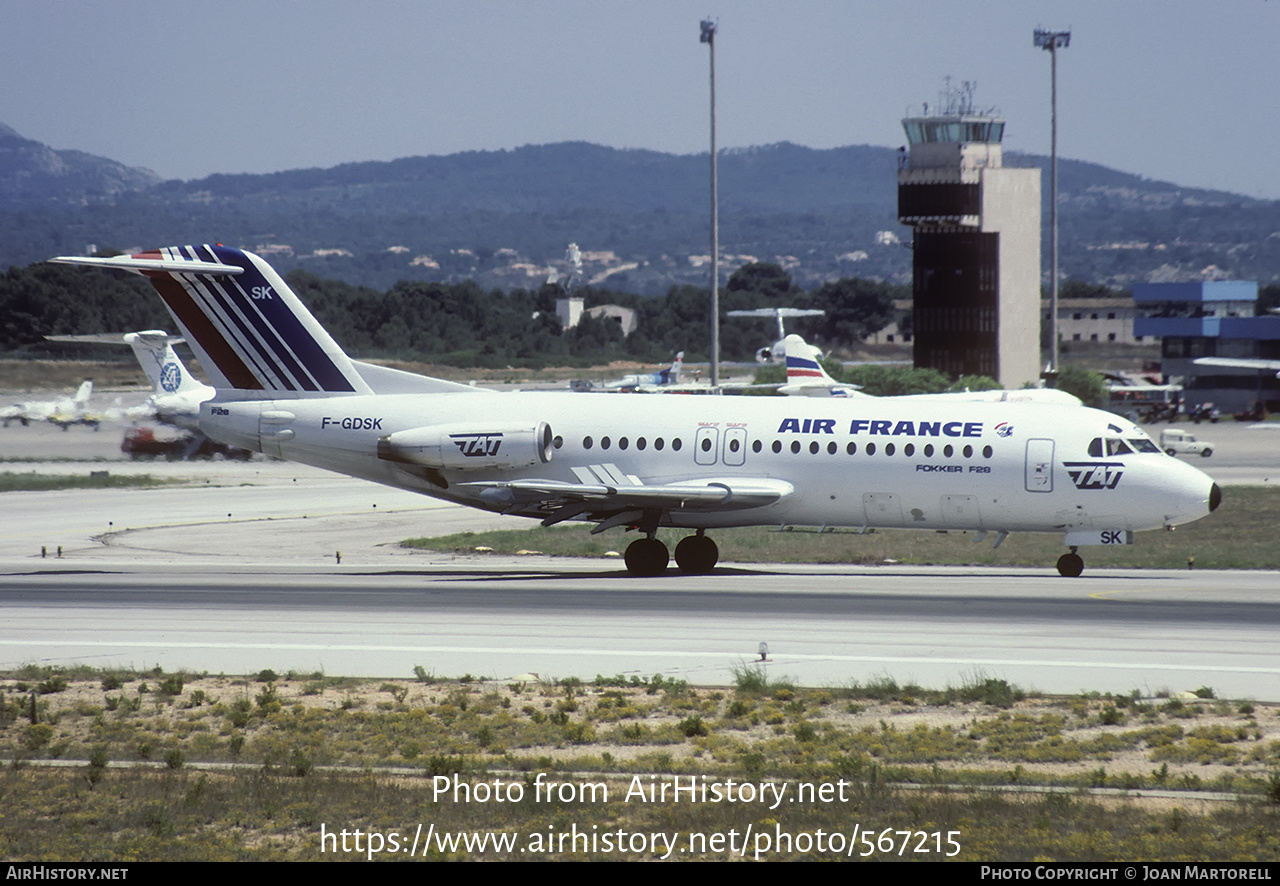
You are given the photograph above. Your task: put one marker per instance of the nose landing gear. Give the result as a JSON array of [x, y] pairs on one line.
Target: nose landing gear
[[1070, 565]]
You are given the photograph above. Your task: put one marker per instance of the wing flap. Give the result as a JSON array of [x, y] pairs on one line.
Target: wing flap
[[711, 494]]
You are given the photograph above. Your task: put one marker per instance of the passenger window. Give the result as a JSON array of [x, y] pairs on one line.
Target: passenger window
[[795, 446], [831, 448], [871, 449], [851, 448], [777, 446], [586, 442], [888, 449], [676, 444]]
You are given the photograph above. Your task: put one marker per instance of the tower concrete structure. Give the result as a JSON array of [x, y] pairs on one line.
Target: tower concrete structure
[[976, 267]]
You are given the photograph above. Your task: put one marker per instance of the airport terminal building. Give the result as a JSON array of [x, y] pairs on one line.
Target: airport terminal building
[[1212, 319]]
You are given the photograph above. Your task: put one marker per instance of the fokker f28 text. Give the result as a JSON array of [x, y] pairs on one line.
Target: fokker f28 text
[[285, 388]]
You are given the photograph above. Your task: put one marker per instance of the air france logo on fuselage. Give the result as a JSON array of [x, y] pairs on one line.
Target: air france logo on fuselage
[[1094, 474], [883, 427], [1004, 429], [170, 377], [477, 445]]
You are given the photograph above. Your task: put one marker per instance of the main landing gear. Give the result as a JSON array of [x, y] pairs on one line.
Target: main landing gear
[[1070, 565], [695, 555]]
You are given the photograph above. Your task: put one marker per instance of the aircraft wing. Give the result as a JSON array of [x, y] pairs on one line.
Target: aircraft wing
[[606, 494], [1239, 363]]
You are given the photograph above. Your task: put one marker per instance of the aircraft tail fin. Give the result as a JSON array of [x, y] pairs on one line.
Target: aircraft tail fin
[[250, 331], [83, 393], [803, 366], [164, 369]]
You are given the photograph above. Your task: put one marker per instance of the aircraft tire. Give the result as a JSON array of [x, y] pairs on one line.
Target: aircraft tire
[[696, 555], [646, 557], [1070, 565]]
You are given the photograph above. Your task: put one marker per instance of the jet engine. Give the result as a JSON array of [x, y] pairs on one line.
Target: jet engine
[[461, 447]]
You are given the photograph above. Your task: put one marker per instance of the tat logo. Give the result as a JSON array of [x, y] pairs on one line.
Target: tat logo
[[477, 445], [1004, 429], [261, 292], [170, 377], [1094, 474]]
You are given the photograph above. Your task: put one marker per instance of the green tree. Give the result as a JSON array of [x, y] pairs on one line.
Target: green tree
[[1090, 387], [855, 308]]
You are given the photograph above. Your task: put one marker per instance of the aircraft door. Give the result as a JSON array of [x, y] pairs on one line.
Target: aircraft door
[[735, 446], [705, 445], [1039, 466]]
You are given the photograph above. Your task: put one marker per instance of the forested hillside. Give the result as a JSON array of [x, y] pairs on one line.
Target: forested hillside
[[504, 218]]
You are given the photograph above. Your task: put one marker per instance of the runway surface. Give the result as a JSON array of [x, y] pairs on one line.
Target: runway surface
[[240, 574]]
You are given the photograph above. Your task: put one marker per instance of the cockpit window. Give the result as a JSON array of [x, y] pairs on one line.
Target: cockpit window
[[1142, 444], [1095, 447]]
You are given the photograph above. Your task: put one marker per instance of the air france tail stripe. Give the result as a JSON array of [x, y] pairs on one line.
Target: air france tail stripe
[[200, 329], [254, 338], [217, 305], [255, 333], [282, 328]]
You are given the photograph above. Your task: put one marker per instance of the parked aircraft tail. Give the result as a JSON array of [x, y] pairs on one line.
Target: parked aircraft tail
[[250, 331]]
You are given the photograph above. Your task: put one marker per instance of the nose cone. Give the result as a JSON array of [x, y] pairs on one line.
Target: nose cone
[[1189, 494]]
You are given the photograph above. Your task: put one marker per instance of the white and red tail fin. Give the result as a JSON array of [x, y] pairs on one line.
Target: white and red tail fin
[[672, 375], [805, 375], [803, 367], [245, 324]]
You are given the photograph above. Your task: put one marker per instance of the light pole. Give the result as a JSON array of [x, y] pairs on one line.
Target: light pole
[[1053, 41], [709, 37]]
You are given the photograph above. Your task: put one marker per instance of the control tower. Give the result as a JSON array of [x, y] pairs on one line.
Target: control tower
[[976, 266]]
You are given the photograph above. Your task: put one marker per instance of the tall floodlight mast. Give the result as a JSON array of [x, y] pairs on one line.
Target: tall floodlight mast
[[1052, 41], [709, 37]]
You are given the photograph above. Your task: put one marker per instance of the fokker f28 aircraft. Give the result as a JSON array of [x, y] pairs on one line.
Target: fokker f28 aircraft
[[285, 388]]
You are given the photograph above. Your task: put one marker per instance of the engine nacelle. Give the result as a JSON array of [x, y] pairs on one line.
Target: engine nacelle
[[462, 447]]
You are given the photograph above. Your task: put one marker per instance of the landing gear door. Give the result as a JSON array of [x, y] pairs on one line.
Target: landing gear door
[[1039, 466]]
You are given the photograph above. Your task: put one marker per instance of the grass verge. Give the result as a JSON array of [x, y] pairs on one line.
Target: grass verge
[[13, 481]]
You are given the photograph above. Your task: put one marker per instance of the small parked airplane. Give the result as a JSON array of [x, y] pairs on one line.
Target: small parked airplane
[[285, 388], [660, 379], [63, 412]]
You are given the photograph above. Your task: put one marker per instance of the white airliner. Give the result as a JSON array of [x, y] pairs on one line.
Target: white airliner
[[284, 387], [777, 350]]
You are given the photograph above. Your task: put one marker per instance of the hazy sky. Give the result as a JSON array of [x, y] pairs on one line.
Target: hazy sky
[[1182, 90]]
